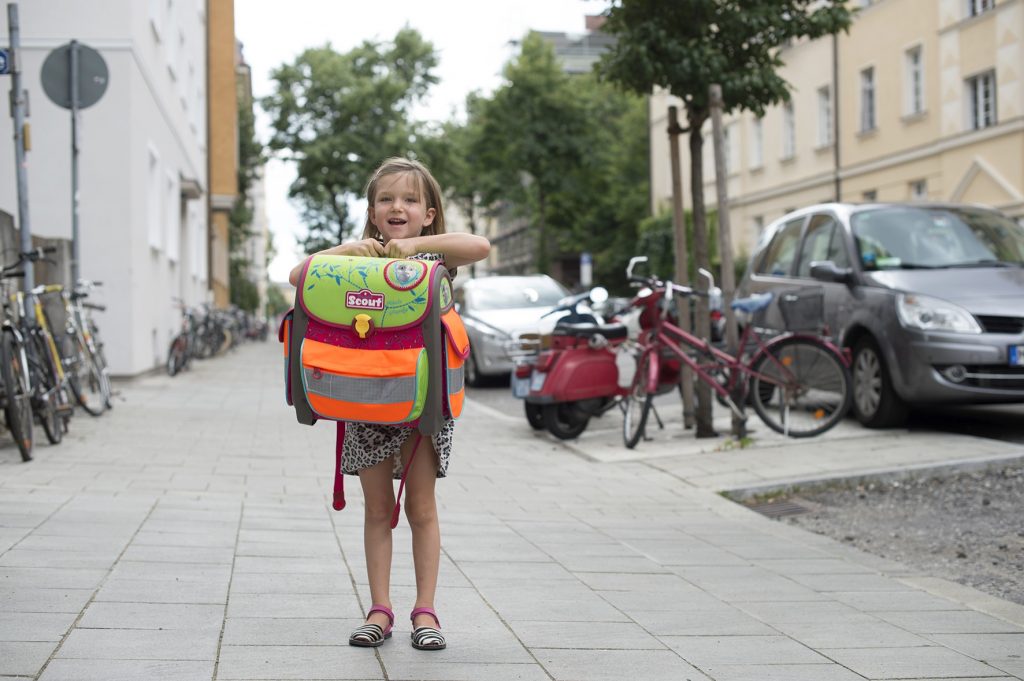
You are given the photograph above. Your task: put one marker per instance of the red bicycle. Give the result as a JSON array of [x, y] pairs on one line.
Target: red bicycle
[[798, 383]]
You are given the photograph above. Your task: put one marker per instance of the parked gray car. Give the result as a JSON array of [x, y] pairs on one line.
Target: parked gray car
[[929, 298], [497, 311]]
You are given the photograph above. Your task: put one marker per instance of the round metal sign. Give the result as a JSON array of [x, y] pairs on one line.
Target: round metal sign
[[92, 76]]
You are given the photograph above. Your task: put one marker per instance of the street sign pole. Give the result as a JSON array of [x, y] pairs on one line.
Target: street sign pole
[[74, 77], [18, 113], [73, 80]]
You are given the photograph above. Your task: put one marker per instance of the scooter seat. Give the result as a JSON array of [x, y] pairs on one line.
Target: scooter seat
[[609, 331]]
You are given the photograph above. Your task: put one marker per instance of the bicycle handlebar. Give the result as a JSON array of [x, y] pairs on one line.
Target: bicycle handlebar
[[94, 306]]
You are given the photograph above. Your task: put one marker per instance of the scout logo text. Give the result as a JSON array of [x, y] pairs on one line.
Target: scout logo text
[[364, 300]]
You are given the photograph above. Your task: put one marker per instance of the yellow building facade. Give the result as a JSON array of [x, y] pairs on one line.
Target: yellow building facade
[[930, 106], [223, 142]]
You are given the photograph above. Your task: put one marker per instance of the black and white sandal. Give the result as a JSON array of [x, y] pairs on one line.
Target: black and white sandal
[[427, 638], [372, 635]]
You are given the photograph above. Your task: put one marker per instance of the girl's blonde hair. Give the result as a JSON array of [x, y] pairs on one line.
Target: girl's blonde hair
[[428, 188]]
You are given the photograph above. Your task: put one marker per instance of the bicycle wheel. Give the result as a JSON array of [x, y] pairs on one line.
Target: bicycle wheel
[[88, 381], [176, 355], [17, 400], [637, 405], [45, 389], [101, 361], [802, 389]]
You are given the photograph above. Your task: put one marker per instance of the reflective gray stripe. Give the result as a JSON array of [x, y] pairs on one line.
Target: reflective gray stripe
[[364, 390], [456, 377]]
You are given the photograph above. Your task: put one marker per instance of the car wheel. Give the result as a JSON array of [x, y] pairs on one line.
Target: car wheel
[[474, 378], [875, 402], [535, 415]]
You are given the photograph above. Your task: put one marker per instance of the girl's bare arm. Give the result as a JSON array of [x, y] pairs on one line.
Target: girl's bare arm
[[458, 248]]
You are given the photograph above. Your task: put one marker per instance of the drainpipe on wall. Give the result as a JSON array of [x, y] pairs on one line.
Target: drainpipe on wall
[[835, 115]]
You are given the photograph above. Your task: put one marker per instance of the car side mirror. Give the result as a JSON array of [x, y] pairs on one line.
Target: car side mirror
[[826, 270]]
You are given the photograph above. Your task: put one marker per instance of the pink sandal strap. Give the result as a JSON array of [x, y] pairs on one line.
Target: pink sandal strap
[[425, 611], [384, 610]]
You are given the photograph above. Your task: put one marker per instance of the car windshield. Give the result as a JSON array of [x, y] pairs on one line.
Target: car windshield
[[503, 293], [911, 237]]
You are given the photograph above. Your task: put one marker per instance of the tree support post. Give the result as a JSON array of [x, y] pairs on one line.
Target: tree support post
[[682, 257], [728, 274]]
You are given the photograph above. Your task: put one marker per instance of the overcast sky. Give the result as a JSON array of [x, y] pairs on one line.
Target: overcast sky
[[471, 36]]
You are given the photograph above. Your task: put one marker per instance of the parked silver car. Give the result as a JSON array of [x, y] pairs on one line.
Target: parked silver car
[[929, 298], [497, 311]]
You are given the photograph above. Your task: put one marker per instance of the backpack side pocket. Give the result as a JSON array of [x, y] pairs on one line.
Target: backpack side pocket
[[456, 350]]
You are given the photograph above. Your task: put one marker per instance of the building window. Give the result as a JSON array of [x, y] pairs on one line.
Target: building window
[[976, 7], [154, 214], [919, 190], [757, 144], [788, 131], [914, 81], [867, 99], [172, 228], [870, 195], [824, 116], [981, 100], [758, 224]]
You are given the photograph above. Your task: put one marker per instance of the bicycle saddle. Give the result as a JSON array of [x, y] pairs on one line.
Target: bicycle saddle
[[758, 301]]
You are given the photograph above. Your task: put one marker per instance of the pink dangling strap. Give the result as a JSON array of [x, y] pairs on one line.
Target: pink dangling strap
[[401, 485], [339, 475]]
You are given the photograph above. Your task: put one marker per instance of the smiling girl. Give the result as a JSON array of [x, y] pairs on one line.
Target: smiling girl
[[404, 219]]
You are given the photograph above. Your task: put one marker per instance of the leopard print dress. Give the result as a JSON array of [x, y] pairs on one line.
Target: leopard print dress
[[367, 444]]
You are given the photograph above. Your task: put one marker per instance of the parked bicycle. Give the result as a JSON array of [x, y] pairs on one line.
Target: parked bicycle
[[80, 348], [50, 391], [15, 381], [797, 383]]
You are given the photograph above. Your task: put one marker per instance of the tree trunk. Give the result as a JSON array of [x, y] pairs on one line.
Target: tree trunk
[[542, 233], [705, 427]]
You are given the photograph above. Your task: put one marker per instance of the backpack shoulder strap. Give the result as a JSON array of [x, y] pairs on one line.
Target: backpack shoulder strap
[[303, 412]]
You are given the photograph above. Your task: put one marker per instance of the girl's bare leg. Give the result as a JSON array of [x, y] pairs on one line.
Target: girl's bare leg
[[379, 495], [421, 511]]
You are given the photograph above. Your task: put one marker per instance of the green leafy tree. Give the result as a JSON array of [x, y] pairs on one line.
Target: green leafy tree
[[529, 138], [686, 47], [338, 115]]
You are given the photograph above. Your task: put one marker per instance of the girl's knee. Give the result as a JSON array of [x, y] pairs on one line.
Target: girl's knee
[[421, 512], [379, 513]]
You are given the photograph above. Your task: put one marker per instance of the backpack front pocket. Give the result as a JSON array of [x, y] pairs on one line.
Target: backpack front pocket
[[347, 384]]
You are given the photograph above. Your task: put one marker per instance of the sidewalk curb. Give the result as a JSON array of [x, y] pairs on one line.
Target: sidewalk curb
[[929, 470]]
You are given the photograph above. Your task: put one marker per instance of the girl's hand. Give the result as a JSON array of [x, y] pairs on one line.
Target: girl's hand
[[367, 248], [401, 248]]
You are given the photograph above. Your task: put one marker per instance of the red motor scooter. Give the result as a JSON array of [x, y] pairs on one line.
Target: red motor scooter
[[578, 376]]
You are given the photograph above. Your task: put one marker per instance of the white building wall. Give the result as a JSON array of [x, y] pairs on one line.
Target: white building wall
[[149, 105]]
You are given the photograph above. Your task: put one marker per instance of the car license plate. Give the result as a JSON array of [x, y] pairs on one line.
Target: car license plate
[[520, 386], [1017, 355]]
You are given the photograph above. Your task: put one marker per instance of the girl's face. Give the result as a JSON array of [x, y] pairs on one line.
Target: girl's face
[[398, 209]]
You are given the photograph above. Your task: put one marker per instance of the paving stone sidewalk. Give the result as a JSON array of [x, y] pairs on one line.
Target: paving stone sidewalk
[[187, 535]]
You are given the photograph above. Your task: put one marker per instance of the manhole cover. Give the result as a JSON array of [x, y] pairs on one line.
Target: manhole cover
[[778, 509]]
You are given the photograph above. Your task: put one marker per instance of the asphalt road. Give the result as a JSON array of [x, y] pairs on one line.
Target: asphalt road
[[998, 422]]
